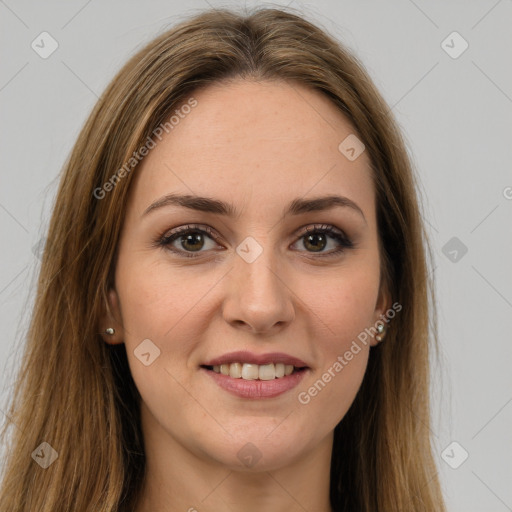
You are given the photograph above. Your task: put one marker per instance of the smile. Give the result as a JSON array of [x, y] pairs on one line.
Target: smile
[[250, 384], [249, 371]]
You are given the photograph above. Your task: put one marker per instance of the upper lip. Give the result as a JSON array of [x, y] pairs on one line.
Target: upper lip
[[244, 356]]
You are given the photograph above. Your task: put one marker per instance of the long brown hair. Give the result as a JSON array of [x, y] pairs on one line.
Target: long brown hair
[[76, 393]]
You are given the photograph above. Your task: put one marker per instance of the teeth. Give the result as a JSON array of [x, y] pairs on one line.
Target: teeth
[[267, 372], [280, 370], [250, 371], [235, 370]]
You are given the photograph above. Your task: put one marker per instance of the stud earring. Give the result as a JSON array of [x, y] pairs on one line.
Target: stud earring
[[110, 331], [382, 332]]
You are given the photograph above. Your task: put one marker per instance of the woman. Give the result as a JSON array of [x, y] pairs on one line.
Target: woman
[[232, 310]]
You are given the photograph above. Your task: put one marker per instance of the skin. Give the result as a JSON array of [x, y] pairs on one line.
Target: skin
[[251, 144]]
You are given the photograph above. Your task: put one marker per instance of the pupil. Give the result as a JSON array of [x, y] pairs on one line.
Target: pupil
[[310, 238], [194, 238]]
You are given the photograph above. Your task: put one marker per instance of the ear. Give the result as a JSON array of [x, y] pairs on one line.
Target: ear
[[111, 318], [383, 304]]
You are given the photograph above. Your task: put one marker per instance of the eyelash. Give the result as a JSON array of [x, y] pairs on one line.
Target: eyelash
[[166, 240]]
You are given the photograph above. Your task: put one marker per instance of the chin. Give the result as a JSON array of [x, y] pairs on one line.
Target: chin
[[258, 449]]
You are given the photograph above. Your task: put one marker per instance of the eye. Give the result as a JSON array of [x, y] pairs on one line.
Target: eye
[[191, 238], [316, 238]]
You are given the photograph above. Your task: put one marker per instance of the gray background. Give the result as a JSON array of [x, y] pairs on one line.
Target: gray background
[[456, 114]]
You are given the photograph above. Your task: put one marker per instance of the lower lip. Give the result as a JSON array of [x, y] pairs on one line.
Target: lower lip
[[255, 389]]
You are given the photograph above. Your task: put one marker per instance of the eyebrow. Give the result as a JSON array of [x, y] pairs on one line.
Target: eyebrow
[[296, 207]]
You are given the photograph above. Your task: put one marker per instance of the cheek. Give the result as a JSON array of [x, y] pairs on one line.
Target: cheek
[[344, 314], [158, 304], [168, 307], [157, 299], [345, 306]]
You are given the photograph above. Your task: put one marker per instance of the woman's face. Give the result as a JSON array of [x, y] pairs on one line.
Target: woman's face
[[261, 286]]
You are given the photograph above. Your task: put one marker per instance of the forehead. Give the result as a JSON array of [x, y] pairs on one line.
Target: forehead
[[270, 141]]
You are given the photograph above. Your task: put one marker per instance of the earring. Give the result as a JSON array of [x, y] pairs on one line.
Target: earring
[[110, 331], [382, 332]]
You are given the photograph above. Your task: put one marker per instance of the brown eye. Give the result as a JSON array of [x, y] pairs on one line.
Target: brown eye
[[193, 241], [317, 239], [317, 242], [190, 239]]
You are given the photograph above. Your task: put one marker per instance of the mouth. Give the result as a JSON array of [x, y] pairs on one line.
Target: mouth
[[249, 371], [255, 376]]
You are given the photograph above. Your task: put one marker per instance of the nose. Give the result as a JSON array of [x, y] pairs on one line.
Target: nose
[[258, 298]]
